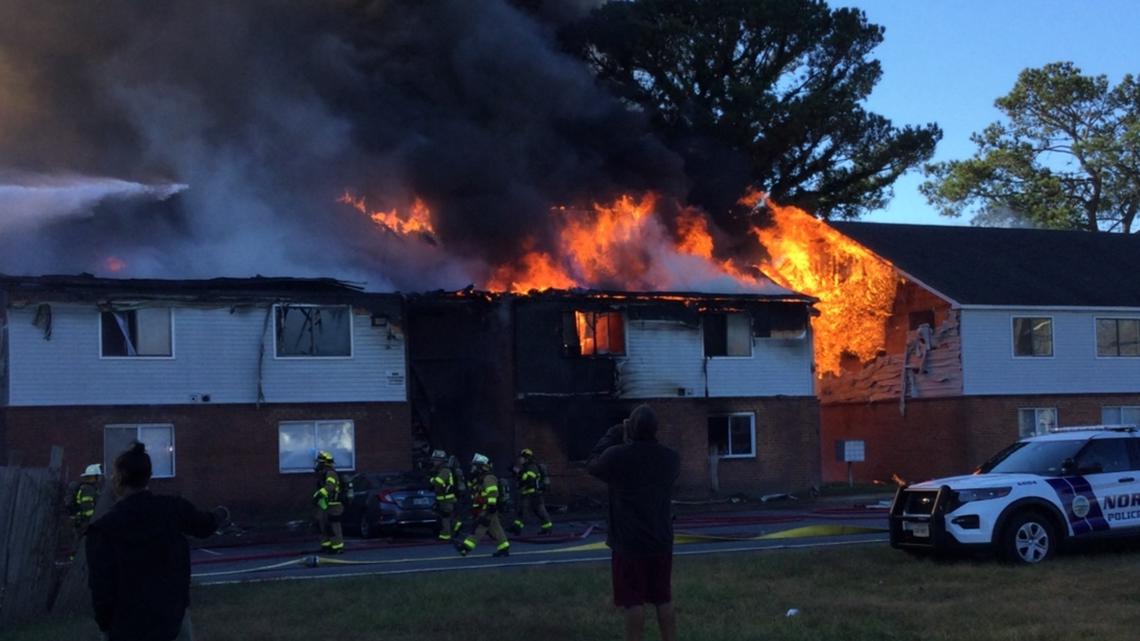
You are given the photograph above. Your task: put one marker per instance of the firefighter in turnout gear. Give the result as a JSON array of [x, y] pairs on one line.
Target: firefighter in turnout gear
[[82, 504], [444, 483], [327, 504], [531, 480], [485, 508]]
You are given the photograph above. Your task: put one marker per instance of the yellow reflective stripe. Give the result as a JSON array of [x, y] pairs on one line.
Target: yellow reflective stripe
[[491, 489], [528, 475], [445, 497], [492, 500]]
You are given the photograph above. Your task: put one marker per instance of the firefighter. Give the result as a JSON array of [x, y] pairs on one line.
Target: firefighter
[[443, 482], [326, 501], [531, 480], [485, 508], [82, 506]]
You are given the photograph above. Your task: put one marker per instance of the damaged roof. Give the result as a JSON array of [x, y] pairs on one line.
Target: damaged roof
[[1010, 267], [85, 287], [784, 295]]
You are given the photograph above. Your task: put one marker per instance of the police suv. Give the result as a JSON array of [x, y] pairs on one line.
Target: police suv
[[1074, 483]]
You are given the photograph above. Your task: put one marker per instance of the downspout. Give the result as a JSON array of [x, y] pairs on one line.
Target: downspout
[[261, 356]]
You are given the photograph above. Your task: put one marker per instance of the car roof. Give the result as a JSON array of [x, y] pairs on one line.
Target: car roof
[[1081, 432]]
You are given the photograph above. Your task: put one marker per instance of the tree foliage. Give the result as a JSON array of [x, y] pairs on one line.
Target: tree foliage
[[1066, 157], [761, 93]]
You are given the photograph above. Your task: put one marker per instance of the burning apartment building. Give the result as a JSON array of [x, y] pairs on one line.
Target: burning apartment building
[[937, 346]]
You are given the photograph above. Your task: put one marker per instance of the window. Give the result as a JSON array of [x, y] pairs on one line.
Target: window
[[599, 333], [1120, 415], [314, 331], [1118, 337], [920, 318], [728, 335], [299, 441], [1032, 336], [733, 435], [136, 332], [158, 439], [1104, 455], [1036, 420]]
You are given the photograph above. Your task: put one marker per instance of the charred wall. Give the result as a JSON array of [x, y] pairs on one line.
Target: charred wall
[[460, 375], [547, 361]]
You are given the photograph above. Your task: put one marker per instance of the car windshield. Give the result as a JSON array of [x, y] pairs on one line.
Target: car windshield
[[1032, 457]]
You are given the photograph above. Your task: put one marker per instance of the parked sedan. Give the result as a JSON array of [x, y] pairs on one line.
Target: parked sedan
[[389, 501]]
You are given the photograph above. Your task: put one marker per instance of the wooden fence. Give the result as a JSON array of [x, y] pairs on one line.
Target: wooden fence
[[34, 581]]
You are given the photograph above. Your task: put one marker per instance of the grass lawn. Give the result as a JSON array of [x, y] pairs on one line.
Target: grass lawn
[[852, 593]]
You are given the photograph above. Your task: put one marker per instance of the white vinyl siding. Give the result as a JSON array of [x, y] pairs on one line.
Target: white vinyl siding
[[217, 357], [666, 359], [989, 366]]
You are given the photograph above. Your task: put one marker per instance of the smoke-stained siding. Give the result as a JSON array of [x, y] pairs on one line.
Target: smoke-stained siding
[[663, 357], [778, 367], [215, 354], [989, 366]]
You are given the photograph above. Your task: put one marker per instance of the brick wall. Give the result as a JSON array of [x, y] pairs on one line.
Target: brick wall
[[787, 445], [941, 437], [225, 454]]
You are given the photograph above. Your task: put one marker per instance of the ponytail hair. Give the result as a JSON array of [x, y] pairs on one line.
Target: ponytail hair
[[133, 466]]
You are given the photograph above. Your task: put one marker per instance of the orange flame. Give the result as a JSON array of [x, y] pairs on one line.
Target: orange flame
[[417, 220], [855, 288]]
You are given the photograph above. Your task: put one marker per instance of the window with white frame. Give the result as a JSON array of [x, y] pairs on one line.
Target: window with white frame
[[733, 435], [136, 332], [596, 334], [313, 331], [1118, 337], [1120, 415], [1032, 336], [158, 439], [727, 334], [1034, 421], [299, 441]]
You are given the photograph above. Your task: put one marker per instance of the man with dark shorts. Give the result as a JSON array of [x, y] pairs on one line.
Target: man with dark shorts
[[640, 474]]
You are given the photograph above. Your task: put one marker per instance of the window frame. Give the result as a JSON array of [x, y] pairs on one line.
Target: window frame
[[1052, 337], [751, 337], [173, 340], [351, 333], [1096, 336], [315, 423], [109, 462], [1120, 410], [728, 437], [1036, 420], [595, 314]]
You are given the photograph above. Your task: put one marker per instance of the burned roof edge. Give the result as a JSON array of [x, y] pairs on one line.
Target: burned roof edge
[[470, 293]]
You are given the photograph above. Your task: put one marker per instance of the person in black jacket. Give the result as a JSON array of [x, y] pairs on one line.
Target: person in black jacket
[[138, 558], [640, 474]]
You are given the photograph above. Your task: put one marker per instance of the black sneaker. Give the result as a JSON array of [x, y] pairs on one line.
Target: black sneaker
[[502, 552]]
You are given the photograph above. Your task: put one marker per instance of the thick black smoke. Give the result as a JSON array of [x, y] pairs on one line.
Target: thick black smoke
[[197, 139]]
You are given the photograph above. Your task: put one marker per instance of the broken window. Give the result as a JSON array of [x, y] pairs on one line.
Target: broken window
[[733, 435], [314, 331], [599, 333], [920, 318], [1117, 337], [1032, 336], [299, 441], [137, 332], [728, 334], [158, 439]]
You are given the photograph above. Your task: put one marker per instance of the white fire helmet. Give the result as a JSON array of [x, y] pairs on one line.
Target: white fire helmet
[[438, 455], [480, 460], [95, 469]]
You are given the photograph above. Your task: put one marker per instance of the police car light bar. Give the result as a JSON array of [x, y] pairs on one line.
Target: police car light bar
[[1090, 428]]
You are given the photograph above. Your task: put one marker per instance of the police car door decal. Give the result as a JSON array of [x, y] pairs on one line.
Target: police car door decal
[[1081, 506]]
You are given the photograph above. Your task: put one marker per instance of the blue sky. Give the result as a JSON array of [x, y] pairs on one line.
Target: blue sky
[[946, 62]]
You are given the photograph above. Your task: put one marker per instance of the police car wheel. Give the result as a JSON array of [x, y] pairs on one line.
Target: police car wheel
[[1029, 538], [367, 530]]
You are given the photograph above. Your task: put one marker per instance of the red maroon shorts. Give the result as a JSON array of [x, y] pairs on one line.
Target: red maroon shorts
[[642, 579]]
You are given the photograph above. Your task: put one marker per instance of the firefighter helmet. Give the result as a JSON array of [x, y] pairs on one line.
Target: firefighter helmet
[[479, 460], [438, 455], [324, 457], [95, 469], [527, 453]]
